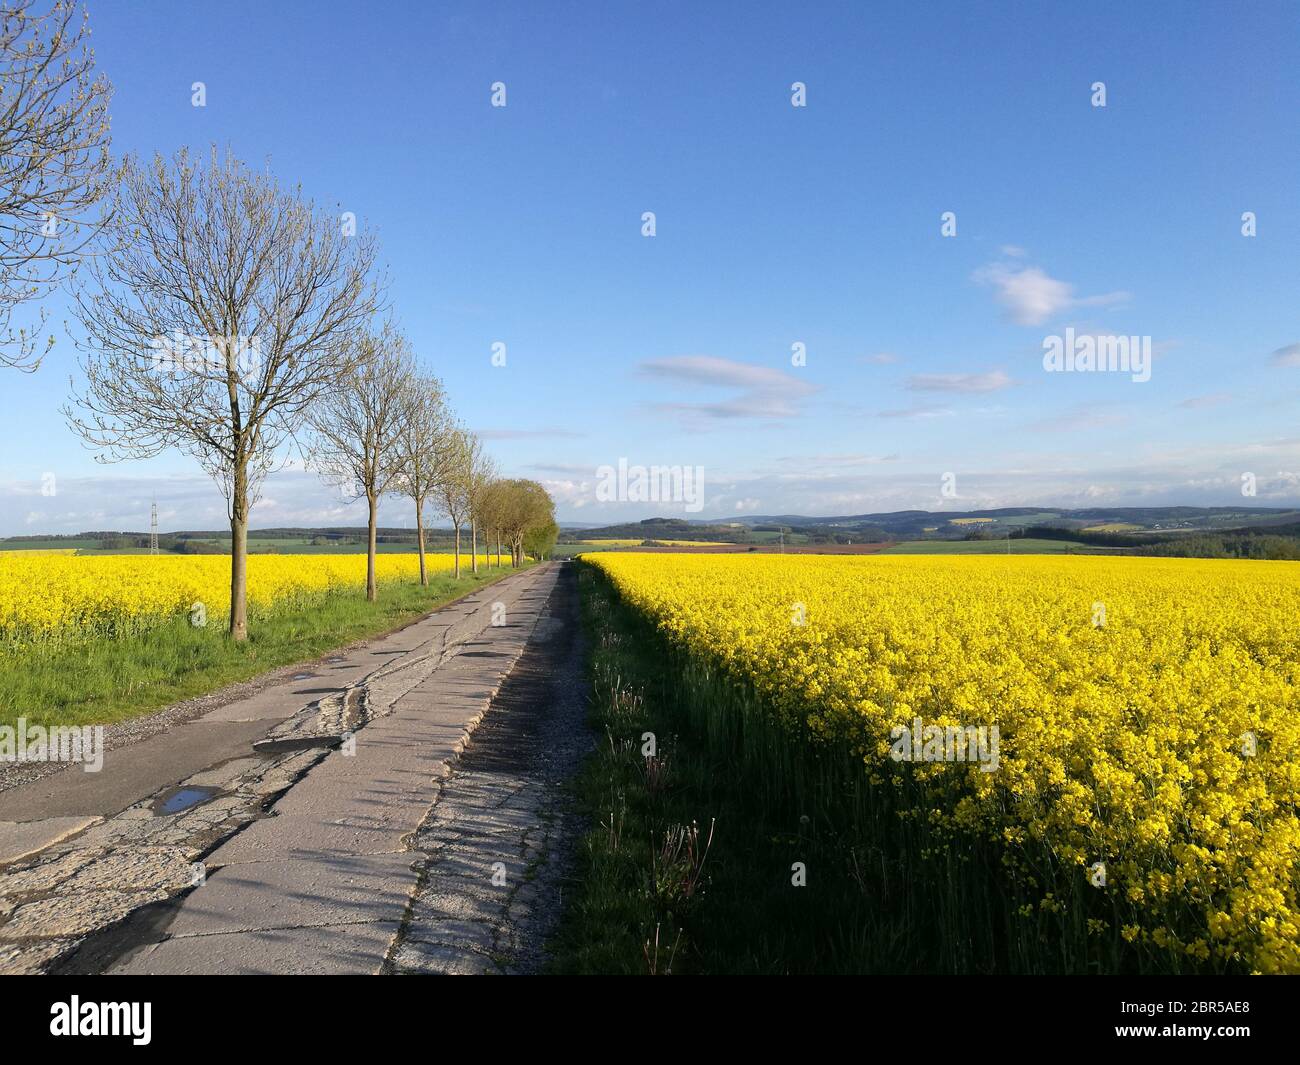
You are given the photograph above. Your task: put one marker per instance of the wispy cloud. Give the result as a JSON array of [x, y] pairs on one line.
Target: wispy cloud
[[959, 382], [1287, 356], [1031, 297], [525, 434], [1212, 399], [568, 468], [880, 358], [835, 461], [916, 412], [760, 391], [1080, 417]]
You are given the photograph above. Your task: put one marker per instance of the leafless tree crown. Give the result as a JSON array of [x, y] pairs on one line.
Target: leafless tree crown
[[357, 428], [226, 309], [55, 166]]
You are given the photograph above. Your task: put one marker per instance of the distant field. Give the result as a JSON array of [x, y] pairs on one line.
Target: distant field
[[255, 547], [969, 521], [768, 537], [1024, 546], [1029, 519], [768, 548], [669, 543], [1114, 526]]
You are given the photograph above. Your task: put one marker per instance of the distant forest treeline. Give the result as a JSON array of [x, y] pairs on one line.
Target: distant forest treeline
[[1279, 542]]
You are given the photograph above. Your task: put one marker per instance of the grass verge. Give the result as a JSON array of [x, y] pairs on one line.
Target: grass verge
[[688, 869], [104, 681]]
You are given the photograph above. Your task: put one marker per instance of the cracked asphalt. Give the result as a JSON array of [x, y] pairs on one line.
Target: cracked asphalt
[[500, 839], [420, 846]]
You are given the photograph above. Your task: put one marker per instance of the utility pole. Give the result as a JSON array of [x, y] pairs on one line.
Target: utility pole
[[153, 529]]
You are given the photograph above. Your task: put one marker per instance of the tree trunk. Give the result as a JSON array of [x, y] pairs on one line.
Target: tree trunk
[[372, 589], [498, 549], [473, 547], [419, 539], [239, 556], [457, 552]]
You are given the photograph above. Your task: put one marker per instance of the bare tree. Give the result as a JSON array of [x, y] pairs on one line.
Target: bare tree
[[481, 472], [55, 167], [422, 451], [356, 429], [452, 492], [226, 309]]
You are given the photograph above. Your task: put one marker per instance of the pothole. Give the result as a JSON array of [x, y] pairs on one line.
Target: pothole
[[177, 800]]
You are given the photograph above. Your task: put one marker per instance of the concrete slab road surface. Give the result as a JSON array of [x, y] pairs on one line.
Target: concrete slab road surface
[[251, 840]]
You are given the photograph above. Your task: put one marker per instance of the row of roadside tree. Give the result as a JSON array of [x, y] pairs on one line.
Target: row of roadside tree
[[226, 316]]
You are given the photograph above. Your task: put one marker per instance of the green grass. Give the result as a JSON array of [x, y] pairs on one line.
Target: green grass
[[1028, 519], [767, 537], [102, 681]]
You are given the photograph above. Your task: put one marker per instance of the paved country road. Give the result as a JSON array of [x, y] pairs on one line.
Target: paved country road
[[250, 839]]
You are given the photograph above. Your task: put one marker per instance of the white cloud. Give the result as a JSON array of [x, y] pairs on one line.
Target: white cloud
[[1031, 297], [569, 491]]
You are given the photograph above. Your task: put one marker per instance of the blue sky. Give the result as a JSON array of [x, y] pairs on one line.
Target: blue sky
[[775, 225]]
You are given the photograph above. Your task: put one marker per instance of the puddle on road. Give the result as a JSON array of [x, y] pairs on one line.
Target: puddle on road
[[303, 676], [179, 799]]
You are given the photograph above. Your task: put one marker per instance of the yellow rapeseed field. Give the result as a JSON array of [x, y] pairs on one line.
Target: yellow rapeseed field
[[42, 551], [47, 598], [1148, 712]]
